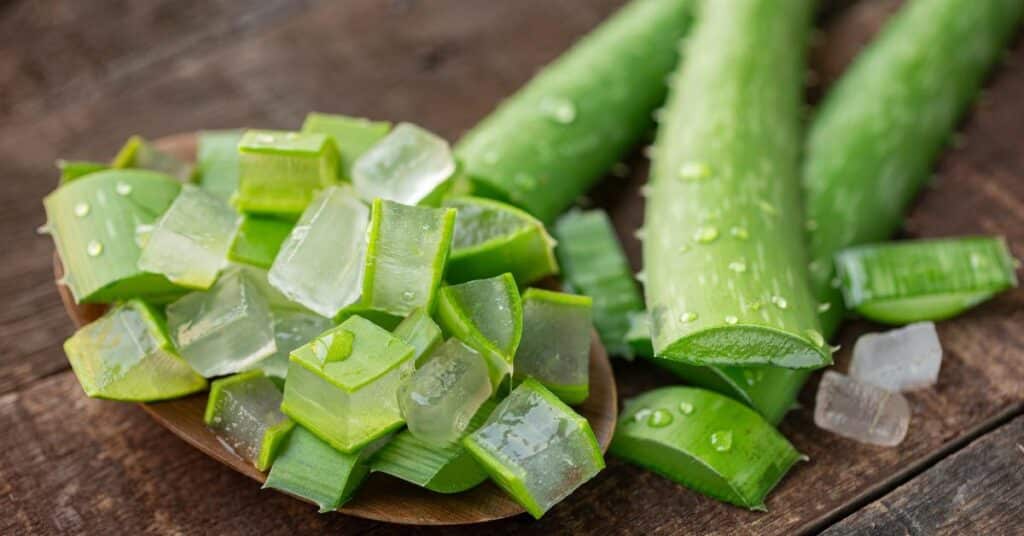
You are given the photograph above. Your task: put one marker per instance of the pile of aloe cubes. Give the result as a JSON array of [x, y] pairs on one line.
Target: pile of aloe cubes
[[351, 311]]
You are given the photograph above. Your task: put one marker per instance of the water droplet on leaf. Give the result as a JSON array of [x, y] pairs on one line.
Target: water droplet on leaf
[[94, 248], [706, 234], [780, 302], [692, 171], [722, 440], [685, 408], [688, 316], [731, 320], [659, 419], [123, 188], [738, 266], [82, 209]]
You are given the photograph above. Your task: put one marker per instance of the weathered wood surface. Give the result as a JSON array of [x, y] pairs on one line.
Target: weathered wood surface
[[77, 87]]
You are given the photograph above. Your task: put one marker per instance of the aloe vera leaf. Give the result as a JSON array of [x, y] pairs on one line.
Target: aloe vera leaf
[[555, 345], [727, 280], [217, 162], [705, 441], [127, 355], [492, 238], [76, 169], [421, 332], [93, 222], [258, 240], [138, 153], [281, 172], [913, 281], [547, 144], [594, 264], [352, 135], [242, 410]]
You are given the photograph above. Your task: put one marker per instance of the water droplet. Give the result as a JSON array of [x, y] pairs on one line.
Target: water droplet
[[731, 320], [753, 376], [722, 440], [641, 276], [739, 232], [692, 171], [824, 307], [94, 248], [706, 234], [780, 302], [642, 414], [685, 408], [559, 109], [639, 233], [738, 266], [408, 295], [811, 225], [123, 188], [815, 337], [82, 209], [767, 207], [659, 419]]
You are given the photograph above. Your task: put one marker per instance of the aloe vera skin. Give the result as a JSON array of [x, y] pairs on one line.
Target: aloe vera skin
[[309, 468], [727, 280], [557, 136], [76, 169], [876, 135], [258, 239]]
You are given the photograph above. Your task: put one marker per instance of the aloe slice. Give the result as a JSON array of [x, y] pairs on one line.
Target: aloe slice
[[292, 329], [555, 346], [217, 162], [76, 169], [912, 281], [705, 441], [258, 240], [138, 153], [410, 165], [242, 410], [352, 135], [421, 332], [126, 355], [280, 172], [492, 238]]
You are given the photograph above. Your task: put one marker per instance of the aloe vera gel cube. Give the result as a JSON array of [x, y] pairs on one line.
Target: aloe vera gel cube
[[280, 172], [343, 385], [320, 264], [292, 329], [352, 135], [223, 330], [536, 448], [555, 347], [242, 410], [217, 162], [126, 355], [407, 166]]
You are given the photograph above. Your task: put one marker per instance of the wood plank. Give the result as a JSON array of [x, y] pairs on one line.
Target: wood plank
[[975, 491]]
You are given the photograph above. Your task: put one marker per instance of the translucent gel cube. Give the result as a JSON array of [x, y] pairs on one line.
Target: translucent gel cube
[[223, 330], [406, 166], [189, 244], [320, 264], [861, 411], [280, 172], [441, 397], [242, 411], [555, 347], [292, 329], [902, 359]]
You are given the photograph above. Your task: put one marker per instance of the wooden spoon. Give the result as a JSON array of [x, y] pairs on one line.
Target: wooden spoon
[[382, 497]]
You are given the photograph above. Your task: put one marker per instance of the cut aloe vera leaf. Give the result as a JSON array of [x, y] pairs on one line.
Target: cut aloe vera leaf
[[76, 169], [446, 469], [405, 257], [217, 162], [410, 166], [555, 346], [126, 355], [242, 410], [280, 172], [913, 281], [292, 329], [320, 264], [346, 394], [189, 243], [487, 314], [352, 135], [705, 441], [224, 330], [93, 221], [536, 448], [138, 153], [258, 240], [492, 238], [421, 332]]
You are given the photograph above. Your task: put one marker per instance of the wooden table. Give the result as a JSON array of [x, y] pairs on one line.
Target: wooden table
[[77, 78]]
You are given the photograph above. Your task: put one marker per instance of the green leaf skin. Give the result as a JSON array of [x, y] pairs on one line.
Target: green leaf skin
[[727, 280], [352, 135], [913, 281], [421, 332], [551, 141], [217, 162], [258, 240], [280, 172], [670, 431], [76, 169], [138, 153]]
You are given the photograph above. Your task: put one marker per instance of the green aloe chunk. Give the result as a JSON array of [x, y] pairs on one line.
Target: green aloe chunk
[[93, 222], [536, 448], [421, 332], [913, 281], [352, 135], [138, 153], [258, 240], [127, 355], [292, 329], [447, 469], [280, 172], [705, 441], [242, 410], [76, 169], [487, 314], [405, 256], [346, 393], [555, 346], [492, 238], [410, 165], [217, 162], [547, 144], [594, 264]]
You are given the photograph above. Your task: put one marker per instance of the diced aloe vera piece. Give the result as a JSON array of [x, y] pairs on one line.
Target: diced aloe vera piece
[[446, 469], [223, 330], [410, 166], [292, 329], [705, 441], [242, 410], [555, 346], [126, 355], [76, 169], [347, 395], [309, 468], [405, 256], [280, 172], [913, 281], [137, 153], [258, 240], [536, 448], [441, 397], [487, 314], [320, 264], [93, 222], [420, 331], [492, 238], [189, 243], [217, 162], [352, 135]]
